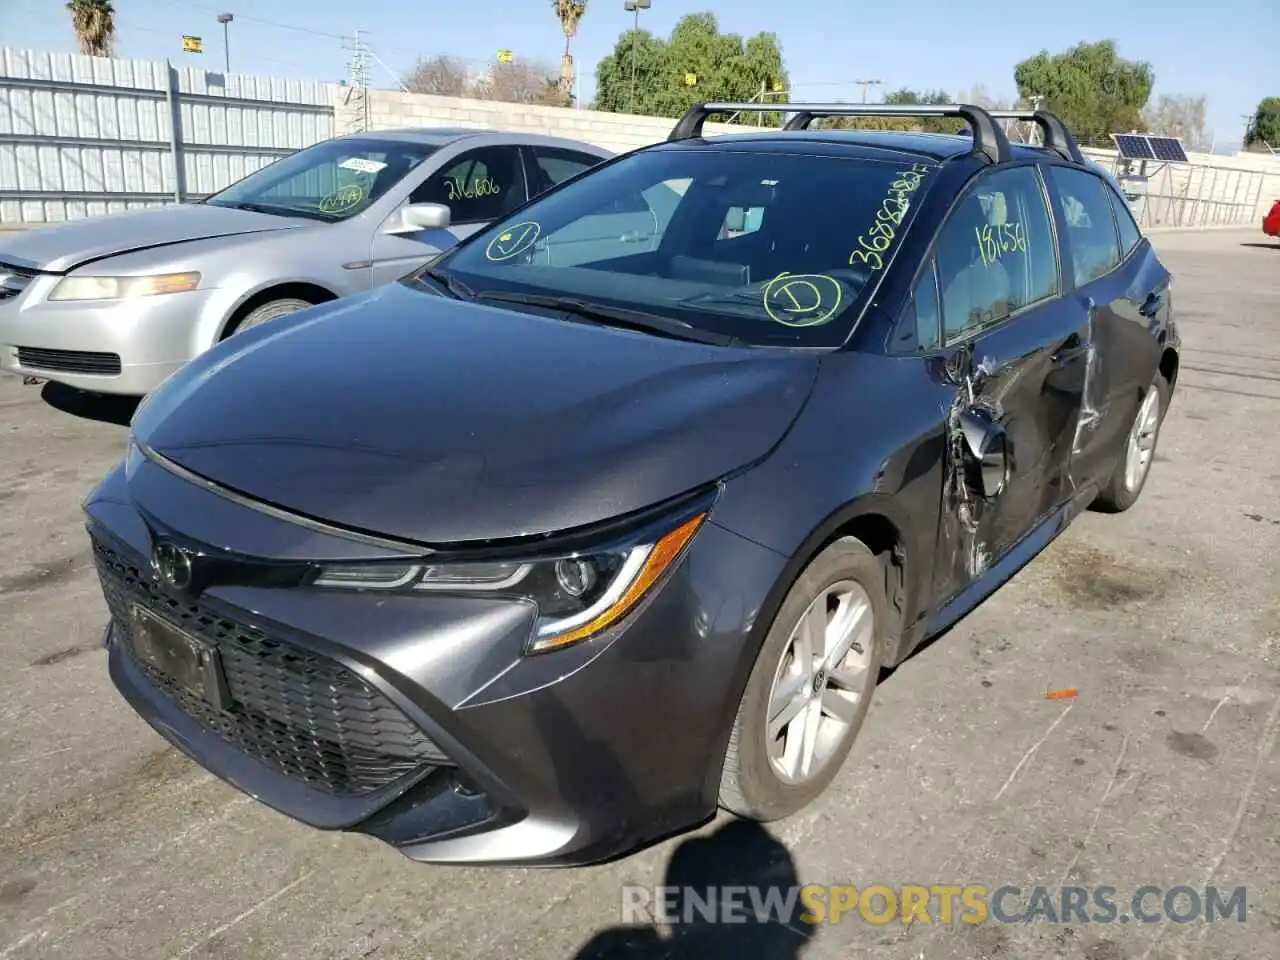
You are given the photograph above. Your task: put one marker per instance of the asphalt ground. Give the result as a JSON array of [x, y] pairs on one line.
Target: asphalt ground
[[1163, 771]]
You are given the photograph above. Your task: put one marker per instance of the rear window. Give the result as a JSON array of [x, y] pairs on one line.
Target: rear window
[[769, 248]]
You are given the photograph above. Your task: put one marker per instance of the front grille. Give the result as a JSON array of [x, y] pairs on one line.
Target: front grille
[[306, 716], [70, 361]]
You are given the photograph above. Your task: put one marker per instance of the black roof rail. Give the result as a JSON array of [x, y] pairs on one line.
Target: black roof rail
[[1056, 135], [988, 137]]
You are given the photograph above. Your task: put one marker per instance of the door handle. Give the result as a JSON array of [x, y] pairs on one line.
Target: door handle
[[1073, 347], [1151, 306]]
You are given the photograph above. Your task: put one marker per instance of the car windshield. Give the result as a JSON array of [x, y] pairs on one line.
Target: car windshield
[[331, 181], [767, 248]]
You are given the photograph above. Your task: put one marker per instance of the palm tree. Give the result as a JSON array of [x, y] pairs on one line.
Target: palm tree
[[569, 12], [95, 26]]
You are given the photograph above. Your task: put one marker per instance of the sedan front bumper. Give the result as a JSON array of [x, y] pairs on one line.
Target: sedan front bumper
[[123, 347], [562, 758]]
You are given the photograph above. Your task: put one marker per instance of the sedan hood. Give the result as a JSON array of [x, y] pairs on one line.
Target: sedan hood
[[65, 246], [440, 421]]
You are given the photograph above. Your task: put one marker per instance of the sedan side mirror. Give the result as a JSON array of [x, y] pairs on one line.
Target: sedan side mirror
[[987, 446], [425, 216]]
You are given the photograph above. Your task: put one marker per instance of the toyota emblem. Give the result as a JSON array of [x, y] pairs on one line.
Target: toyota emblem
[[171, 564]]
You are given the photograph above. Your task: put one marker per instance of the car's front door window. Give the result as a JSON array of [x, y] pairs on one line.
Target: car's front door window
[[996, 254], [477, 186]]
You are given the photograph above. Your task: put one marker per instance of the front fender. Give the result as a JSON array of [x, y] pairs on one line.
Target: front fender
[[870, 443], [229, 298]]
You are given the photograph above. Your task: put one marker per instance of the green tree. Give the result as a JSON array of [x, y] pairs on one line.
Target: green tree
[[696, 64], [1264, 128], [1095, 90], [95, 24], [902, 97]]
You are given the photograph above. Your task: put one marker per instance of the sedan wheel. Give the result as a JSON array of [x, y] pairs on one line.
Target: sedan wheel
[[823, 675], [269, 311], [810, 688], [1141, 446], [1133, 464]]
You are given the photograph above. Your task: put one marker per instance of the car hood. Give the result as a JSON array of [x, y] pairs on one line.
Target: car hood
[[65, 246], [442, 422]]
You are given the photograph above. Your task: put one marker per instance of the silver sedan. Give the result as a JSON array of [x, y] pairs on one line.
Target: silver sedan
[[115, 304]]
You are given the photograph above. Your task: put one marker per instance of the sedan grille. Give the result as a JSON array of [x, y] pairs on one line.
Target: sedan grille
[[304, 715], [69, 361]]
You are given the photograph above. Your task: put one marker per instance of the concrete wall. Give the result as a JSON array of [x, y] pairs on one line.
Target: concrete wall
[[619, 132]]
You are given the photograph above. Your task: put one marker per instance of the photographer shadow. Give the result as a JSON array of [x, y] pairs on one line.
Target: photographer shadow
[[741, 854]]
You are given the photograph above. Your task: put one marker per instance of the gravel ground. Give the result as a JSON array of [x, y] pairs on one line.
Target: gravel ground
[[1163, 771]]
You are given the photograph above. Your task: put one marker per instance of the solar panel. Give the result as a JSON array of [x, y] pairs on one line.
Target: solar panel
[[1168, 148], [1133, 146]]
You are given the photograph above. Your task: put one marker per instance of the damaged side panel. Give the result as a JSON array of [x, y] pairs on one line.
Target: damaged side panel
[[1011, 429]]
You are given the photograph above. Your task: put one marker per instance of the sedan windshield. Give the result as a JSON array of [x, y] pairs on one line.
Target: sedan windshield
[[331, 181], [765, 248]]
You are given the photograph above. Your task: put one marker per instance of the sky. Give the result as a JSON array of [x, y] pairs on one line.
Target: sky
[[1229, 51]]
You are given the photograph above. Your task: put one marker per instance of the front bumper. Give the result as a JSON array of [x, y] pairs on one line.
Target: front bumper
[[123, 347], [477, 754]]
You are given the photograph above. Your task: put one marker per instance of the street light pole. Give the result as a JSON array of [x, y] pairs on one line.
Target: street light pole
[[864, 84], [225, 19], [635, 6]]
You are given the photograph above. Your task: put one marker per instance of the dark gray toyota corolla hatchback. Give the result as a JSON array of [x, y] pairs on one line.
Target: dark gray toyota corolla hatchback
[[613, 514]]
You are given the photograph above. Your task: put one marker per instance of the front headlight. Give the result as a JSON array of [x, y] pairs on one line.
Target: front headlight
[[123, 288], [577, 594]]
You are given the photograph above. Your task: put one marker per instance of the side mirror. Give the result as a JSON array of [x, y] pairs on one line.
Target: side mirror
[[425, 216], [987, 463], [958, 365], [736, 219]]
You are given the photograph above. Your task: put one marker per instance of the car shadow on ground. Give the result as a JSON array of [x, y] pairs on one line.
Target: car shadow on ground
[[89, 406], [710, 920], [1262, 246]]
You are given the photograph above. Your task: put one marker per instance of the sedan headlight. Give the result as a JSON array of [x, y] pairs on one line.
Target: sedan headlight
[[577, 594], [123, 288]]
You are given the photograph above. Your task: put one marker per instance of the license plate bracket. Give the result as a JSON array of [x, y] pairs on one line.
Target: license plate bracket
[[187, 661]]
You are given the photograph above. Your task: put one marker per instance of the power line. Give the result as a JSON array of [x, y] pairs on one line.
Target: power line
[[278, 24]]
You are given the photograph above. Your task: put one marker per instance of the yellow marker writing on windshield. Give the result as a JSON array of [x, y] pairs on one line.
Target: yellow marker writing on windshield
[[513, 241], [877, 240], [802, 299]]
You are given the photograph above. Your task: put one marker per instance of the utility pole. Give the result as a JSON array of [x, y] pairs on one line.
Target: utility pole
[[864, 84], [635, 6], [225, 19], [358, 82]]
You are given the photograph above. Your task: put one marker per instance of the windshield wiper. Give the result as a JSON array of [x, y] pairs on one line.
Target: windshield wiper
[[613, 316], [448, 281], [278, 211]]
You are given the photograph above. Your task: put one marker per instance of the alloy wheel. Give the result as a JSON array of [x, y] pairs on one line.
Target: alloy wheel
[[821, 681], [1142, 441]]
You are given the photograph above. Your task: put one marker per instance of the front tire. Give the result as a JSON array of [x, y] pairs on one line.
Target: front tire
[[1133, 465], [269, 311], [811, 687]]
